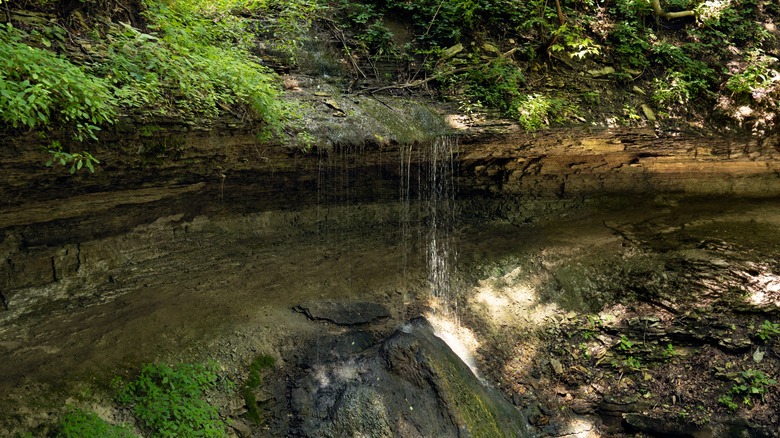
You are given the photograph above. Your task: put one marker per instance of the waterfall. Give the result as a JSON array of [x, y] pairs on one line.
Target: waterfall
[[429, 173]]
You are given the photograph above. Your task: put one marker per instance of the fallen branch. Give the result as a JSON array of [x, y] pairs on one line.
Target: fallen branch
[[669, 15], [418, 82]]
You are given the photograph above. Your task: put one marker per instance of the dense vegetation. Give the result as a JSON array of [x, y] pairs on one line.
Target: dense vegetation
[[70, 69], [501, 54]]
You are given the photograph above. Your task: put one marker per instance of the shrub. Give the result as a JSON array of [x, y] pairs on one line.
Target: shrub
[[79, 424], [750, 384], [39, 89], [194, 68], [677, 88], [535, 111], [757, 77], [169, 400], [768, 330]]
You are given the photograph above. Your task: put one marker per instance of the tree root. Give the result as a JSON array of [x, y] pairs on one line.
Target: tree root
[[669, 15]]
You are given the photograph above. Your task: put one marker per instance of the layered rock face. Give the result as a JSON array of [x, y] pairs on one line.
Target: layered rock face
[[623, 161], [46, 215]]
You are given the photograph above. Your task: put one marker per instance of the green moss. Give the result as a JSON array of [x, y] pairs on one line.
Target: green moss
[[256, 369], [468, 407]]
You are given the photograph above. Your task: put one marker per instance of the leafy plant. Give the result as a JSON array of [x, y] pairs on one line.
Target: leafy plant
[[751, 383], [677, 88], [535, 111], [625, 344], [670, 351], [78, 423], [497, 84], [768, 330], [728, 402], [39, 89], [169, 400], [76, 160], [574, 42], [584, 349], [194, 68], [632, 363], [757, 75], [630, 44]]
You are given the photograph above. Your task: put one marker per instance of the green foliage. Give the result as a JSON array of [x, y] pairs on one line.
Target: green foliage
[[757, 77], [170, 400], [768, 330], [445, 22], [728, 402], [625, 344], [39, 89], [78, 424], [76, 160], [679, 58], [195, 67], [572, 40], [535, 111], [677, 88], [685, 78], [749, 384], [499, 84], [632, 363], [496, 84], [630, 45], [670, 351]]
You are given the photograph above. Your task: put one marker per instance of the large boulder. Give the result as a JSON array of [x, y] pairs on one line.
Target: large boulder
[[410, 385]]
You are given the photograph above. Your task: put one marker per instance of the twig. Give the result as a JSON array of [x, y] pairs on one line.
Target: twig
[[339, 34], [433, 19], [418, 82], [382, 102]]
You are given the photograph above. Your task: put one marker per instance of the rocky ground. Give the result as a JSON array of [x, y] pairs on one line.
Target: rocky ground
[[667, 334]]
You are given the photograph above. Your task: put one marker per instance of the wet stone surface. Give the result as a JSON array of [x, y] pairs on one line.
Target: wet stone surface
[[343, 313]]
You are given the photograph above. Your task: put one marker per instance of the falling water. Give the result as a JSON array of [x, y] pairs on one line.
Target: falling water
[[435, 197]]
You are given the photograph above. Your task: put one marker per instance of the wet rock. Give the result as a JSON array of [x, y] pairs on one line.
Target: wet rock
[[343, 313], [612, 411], [659, 426], [412, 384], [336, 347]]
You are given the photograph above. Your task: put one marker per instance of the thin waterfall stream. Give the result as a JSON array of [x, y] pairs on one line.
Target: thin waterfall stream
[[435, 190]]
